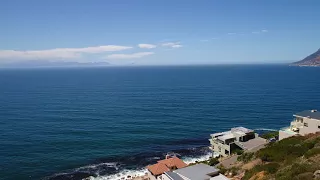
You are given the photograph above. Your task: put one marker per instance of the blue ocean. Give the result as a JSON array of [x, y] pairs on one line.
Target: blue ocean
[[73, 123]]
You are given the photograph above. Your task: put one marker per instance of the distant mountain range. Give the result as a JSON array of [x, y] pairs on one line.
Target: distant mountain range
[[39, 63], [311, 60]]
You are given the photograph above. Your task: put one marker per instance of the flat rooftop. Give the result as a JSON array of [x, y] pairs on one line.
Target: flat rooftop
[[173, 176], [314, 114], [198, 172], [253, 143], [241, 131], [226, 136], [219, 177]]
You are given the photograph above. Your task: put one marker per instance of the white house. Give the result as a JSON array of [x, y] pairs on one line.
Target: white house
[[226, 142], [304, 122]]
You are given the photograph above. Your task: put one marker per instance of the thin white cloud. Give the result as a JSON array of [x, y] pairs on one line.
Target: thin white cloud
[[232, 33], [147, 46], [129, 56], [255, 32], [58, 53], [259, 32], [214, 38], [172, 44], [204, 40]]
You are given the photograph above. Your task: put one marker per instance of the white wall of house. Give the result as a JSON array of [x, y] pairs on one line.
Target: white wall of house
[[222, 150], [152, 177], [309, 126], [165, 177]]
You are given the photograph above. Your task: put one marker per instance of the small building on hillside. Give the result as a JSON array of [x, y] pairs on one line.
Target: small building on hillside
[[195, 172], [225, 143], [169, 164], [303, 123]]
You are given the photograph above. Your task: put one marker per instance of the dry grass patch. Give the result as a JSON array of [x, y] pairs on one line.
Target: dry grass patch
[[259, 176], [251, 164]]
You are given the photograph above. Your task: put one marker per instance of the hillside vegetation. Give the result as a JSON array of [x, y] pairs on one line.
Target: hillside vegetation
[[295, 158]]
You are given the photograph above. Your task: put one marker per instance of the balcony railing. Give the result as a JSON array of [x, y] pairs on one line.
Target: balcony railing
[[288, 130]]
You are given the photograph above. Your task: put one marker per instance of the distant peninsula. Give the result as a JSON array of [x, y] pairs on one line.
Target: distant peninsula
[[311, 60]]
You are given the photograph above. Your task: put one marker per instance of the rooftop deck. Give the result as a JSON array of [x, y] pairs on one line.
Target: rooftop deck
[[253, 143]]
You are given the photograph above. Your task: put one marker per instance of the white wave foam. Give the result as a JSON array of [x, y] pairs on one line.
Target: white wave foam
[[140, 172], [205, 157], [93, 166], [121, 175]]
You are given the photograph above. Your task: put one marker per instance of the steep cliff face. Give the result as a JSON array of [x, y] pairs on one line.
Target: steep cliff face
[[311, 60]]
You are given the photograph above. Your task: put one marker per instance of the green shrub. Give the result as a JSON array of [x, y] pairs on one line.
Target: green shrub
[[304, 176], [312, 152], [222, 169], [246, 157], [294, 170], [271, 168], [238, 151], [213, 161], [234, 170], [271, 134], [287, 149]]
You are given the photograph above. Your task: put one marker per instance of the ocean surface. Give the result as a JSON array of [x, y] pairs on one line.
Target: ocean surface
[[73, 123]]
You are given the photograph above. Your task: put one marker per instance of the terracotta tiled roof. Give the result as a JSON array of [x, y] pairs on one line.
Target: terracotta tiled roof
[[165, 165], [173, 162], [158, 169]]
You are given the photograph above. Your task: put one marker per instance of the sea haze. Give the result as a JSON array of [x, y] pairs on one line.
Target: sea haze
[[75, 122]]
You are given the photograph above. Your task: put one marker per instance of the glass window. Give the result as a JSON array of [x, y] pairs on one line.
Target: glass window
[[305, 124]]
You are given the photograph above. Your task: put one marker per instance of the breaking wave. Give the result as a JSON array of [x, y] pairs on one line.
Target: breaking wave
[[130, 166]]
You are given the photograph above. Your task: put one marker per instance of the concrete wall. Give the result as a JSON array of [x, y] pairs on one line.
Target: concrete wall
[[283, 135], [312, 126], [215, 146]]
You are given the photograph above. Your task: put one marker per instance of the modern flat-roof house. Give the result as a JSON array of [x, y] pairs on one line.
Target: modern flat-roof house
[[226, 142], [303, 123], [195, 172], [156, 171]]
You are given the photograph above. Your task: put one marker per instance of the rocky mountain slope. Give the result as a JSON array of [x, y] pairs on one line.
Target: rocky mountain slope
[[311, 60]]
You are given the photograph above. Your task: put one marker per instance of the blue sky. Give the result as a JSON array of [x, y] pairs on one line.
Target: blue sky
[[125, 32]]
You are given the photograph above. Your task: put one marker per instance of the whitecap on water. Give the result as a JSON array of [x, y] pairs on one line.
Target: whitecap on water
[[121, 175]]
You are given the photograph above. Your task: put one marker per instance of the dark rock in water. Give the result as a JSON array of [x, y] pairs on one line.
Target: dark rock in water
[[311, 60]]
